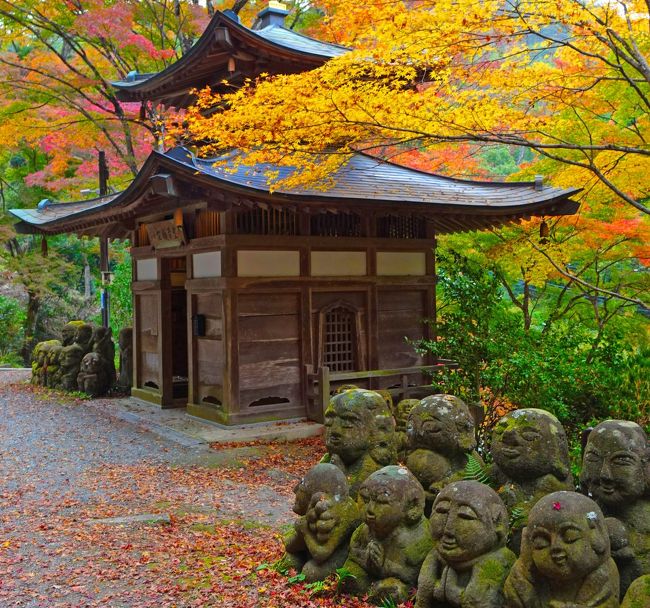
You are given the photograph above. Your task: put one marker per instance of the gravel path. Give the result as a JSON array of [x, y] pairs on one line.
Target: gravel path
[[63, 465]]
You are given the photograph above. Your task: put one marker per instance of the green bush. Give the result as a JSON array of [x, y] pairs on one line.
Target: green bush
[[565, 369], [12, 319]]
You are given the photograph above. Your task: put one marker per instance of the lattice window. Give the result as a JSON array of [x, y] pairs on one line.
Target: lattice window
[[339, 339], [267, 221], [336, 224], [401, 227]]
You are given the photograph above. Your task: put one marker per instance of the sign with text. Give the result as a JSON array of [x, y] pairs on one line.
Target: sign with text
[[166, 234]]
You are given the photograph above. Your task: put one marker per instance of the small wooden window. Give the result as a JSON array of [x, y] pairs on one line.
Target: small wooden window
[[336, 224], [267, 221], [339, 338], [208, 223], [401, 227]]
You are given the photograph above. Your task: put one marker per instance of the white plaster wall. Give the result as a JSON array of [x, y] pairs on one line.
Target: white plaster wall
[[205, 265], [268, 263], [146, 270], [338, 263], [401, 263]]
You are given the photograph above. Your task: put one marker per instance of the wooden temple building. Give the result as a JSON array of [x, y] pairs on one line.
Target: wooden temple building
[[238, 292]]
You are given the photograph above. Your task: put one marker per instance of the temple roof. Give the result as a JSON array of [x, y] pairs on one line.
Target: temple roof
[[364, 183], [229, 51]]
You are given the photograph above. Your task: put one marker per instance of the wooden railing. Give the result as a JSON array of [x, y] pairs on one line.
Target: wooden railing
[[319, 382]]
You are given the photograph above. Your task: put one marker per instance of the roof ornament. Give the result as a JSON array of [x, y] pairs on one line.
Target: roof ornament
[[272, 16], [231, 14], [132, 76], [539, 182]]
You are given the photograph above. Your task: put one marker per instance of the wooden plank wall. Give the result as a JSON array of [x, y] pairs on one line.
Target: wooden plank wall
[[269, 342], [400, 315], [148, 328], [210, 349]]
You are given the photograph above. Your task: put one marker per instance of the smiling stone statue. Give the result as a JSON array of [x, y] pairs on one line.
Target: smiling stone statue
[[565, 557], [616, 474], [531, 459], [359, 435], [469, 562], [440, 433], [387, 550]]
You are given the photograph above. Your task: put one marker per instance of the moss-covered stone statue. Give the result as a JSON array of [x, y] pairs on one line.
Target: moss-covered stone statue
[[125, 343], [440, 433], [387, 550], [71, 355], [318, 542], [93, 377], [530, 459], [638, 595], [616, 474], [53, 359], [359, 435], [103, 345], [402, 411], [565, 557], [469, 562], [45, 362]]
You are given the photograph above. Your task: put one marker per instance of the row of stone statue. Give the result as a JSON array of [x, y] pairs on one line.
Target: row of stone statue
[[533, 542], [84, 359]]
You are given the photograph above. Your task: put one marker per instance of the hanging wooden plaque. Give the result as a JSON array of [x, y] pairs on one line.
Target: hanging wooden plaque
[[166, 234]]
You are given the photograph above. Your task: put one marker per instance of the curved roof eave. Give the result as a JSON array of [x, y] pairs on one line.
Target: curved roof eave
[[208, 40], [179, 162]]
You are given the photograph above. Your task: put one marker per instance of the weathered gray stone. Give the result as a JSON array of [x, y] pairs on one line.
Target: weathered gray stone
[[387, 550], [469, 562], [318, 543], [440, 433], [565, 557], [531, 459], [616, 474], [359, 435]]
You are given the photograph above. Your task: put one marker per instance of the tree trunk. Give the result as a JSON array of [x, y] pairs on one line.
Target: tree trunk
[[33, 307]]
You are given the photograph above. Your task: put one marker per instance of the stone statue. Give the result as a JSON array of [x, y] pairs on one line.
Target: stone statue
[[402, 412], [41, 360], [93, 377], [387, 550], [469, 562], [318, 543], [84, 336], [565, 557], [69, 332], [440, 433], [638, 595], [616, 474], [71, 355], [359, 435], [104, 347], [629, 566], [125, 342], [531, 459], [52, 360]]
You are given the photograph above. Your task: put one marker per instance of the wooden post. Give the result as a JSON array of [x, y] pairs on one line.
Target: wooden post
[[103, 244], [324, 389], [104, 268]]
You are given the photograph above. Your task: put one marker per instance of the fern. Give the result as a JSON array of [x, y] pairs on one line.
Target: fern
[[517, 518], [476, 471]]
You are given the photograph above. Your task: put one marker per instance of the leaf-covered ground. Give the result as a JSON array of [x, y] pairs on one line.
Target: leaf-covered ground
[[210, 516]]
